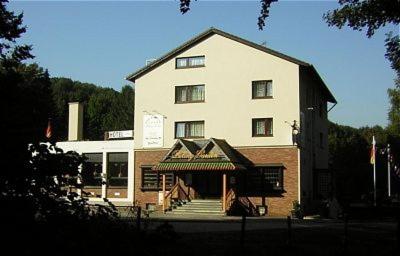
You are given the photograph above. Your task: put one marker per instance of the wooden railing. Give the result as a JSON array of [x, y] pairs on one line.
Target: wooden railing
[[176, 193], [248, 205], [230, 198]]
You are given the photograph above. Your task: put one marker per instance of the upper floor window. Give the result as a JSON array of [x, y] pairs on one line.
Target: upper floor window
[[191, 93], [190, 62], [262, 89], [262, 127], [192, 129]]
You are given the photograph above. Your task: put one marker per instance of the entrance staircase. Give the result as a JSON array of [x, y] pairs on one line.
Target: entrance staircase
[[197, 207]]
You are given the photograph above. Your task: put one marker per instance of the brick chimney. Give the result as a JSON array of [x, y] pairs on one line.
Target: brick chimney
[[75, 121]]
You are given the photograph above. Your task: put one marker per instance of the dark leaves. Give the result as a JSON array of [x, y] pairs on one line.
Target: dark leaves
[[185, 6], [392, 44], [264, 13], [358, 15], [11, 28]]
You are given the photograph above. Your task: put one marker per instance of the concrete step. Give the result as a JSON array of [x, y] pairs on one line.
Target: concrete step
[[198, 208], [195, 213]]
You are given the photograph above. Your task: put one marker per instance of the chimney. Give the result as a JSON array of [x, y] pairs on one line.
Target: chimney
[[75, 121]]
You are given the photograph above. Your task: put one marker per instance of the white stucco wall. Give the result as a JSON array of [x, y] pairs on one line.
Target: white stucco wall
[[109, 146], [228, 110]]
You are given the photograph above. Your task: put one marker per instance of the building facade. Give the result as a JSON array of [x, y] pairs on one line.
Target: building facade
[[221, 115]]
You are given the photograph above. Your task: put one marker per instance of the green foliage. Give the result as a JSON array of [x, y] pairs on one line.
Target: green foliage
[[359, 14], [349, 150], [394, 110], [10, 30], [104, 108]]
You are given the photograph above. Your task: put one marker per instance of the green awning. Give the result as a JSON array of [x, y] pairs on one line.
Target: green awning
[[198, 166]]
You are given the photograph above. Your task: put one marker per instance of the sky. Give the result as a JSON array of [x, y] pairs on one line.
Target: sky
[[102, 42]]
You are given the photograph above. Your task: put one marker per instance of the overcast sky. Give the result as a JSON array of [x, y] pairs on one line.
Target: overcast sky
[[102, 42]]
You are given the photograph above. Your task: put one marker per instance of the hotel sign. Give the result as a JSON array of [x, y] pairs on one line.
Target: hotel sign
[[120, 134], [153, 131]]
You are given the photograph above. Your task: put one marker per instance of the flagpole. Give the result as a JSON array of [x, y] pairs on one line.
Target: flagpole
[[374, 184], [374, 149], [388, 169]]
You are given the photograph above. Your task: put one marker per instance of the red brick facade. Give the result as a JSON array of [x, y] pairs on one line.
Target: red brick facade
[[277, 206], [143, 158]]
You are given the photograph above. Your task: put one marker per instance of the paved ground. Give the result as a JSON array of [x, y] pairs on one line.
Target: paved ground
[[199, 225]]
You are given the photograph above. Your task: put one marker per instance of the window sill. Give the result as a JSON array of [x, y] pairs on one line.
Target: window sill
[[188, 102], [200, 137], [262, 98], [200, 66], [154, 189], [262, 136]]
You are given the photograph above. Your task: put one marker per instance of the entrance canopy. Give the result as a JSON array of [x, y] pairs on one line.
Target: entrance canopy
[[201, 155]]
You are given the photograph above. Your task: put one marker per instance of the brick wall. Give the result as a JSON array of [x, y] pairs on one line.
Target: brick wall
[[146, 158], [279, 205]]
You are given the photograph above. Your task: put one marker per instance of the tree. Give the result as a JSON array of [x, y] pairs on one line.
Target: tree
[[264, 12], [10, 30], [104, 108]]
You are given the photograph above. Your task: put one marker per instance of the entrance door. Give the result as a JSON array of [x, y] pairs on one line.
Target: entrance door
[[207, 184]]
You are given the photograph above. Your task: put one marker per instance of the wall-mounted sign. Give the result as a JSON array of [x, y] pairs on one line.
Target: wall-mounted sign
[[120, 134], [153, 131]]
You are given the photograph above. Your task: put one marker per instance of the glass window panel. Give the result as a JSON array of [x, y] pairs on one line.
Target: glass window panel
[[92, 169], [91, 174], [269, 89], [269, 126], [196, 129], [262, 89], [260, 127], [196, 61], [181, 94], [117, 171], [180, 130], [153, 180], [197, 93], [181, 62]]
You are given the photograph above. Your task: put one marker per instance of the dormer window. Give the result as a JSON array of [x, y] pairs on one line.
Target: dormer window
[[190, 62]]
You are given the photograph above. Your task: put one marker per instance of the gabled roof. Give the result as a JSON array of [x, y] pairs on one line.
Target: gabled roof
[[230, 159], [212, 31]]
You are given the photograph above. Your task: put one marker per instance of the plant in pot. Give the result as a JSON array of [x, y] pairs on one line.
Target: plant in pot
[[297, 212]]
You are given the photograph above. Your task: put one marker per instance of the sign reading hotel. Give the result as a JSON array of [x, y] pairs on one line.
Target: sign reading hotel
[[120, 134], [153, 131]]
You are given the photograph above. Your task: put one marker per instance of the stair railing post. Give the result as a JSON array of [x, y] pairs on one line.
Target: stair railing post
[[163, 192], [224, 192]]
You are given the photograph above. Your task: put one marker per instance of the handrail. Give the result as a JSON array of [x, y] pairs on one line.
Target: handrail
[[177, 188], [230, 198], [245, 201]]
